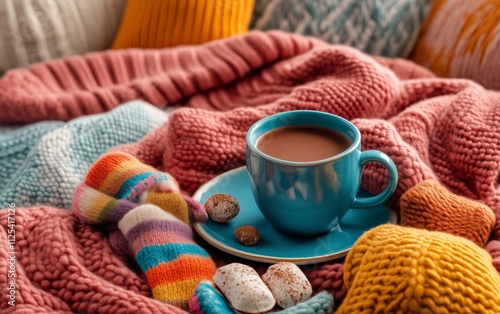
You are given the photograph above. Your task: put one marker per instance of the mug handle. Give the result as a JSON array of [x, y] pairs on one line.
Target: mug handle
[[380, 157]]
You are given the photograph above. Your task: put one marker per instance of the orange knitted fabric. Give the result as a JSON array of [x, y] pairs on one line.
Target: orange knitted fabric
[[168, 23], [429, 205], [394, 269], [461, 38]]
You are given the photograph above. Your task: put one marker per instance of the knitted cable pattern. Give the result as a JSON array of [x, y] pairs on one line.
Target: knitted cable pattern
[[387, 28]]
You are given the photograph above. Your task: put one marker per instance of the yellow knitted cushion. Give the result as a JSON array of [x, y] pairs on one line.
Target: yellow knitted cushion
[[395, 269], [461, 38], [167, 23]]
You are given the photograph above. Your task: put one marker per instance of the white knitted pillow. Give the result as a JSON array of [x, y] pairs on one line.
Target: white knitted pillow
[[38, 30]]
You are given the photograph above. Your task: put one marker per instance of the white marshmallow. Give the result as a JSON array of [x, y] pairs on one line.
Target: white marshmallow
[[243, 288], [288, 284]]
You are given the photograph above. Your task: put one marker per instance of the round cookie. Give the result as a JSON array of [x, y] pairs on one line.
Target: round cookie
[[222, 207], [247, 235]]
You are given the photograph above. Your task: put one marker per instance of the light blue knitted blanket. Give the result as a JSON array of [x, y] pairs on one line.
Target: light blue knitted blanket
[[16, 143], [41, 164]]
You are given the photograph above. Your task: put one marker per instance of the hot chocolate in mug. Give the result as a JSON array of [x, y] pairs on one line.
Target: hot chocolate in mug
[[305, 168]]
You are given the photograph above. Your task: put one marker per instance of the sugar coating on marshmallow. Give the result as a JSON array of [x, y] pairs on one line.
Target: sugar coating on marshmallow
[[288, 284], [243, 288]]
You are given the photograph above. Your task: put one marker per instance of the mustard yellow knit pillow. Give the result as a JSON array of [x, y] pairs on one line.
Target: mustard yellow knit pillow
[[394, 269], [167, 23], [461, 38]]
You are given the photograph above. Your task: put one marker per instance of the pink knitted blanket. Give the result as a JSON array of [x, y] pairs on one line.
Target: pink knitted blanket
[[433, 128]]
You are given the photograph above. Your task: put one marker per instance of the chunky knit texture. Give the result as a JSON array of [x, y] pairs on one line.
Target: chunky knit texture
[[428, 205], [327, 277], [442, 129], [493, 248], [158, 24], [396, 269], [58, 161], [461, 39], [66, 266], [40, 30], [159, 238], [16, 144], [380, 27], [97, 82]]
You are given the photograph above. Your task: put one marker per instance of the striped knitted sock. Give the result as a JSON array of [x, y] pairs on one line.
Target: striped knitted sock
[[122, 176], [164, 249], [94, 207], [157, 234], [118, 182]]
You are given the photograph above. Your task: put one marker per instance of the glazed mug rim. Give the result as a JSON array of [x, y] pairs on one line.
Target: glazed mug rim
[[251, 145]]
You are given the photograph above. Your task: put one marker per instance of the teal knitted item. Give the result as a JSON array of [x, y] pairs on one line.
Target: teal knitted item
[[322, 303], [207, 300], [379, 27], [16, 144], [61, 154]]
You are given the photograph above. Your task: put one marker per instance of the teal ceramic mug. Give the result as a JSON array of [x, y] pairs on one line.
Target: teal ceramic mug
[[307, 198]]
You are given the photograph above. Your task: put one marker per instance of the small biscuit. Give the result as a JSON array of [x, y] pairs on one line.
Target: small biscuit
[[222, 207], [247, 235], [243, 288], [288, 284]]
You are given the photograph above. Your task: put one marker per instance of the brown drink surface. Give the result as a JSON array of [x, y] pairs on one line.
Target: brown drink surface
[[302, 143]]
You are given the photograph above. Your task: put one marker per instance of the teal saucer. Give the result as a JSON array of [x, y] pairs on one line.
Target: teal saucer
[[275, 246]]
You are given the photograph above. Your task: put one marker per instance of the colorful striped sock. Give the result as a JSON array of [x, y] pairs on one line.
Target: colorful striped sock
[[122, 176], [94, 207], [153, 217], [164, 249]]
